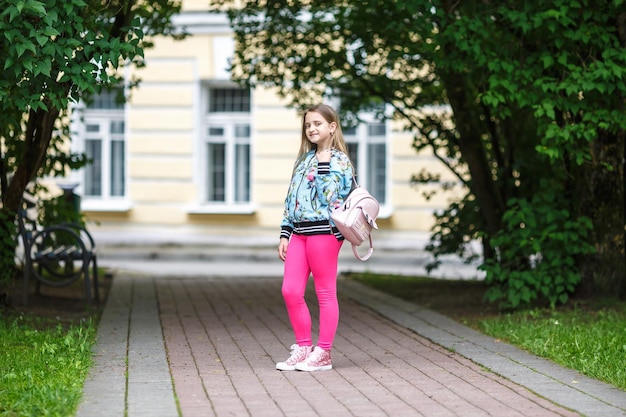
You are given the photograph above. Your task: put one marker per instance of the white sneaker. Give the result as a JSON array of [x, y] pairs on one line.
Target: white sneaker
[[298, 354], [318, 360]]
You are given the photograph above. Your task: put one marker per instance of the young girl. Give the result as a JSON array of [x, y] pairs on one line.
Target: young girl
[[309, 240]]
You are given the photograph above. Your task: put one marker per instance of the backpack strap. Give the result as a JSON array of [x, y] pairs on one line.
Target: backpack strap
[[369, 253]]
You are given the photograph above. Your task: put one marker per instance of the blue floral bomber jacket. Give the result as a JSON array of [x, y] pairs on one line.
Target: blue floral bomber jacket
[[316, 188]]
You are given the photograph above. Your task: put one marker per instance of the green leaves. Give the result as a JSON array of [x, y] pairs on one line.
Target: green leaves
[[29, 7], [53, 41], [53, 52], [537, 250]]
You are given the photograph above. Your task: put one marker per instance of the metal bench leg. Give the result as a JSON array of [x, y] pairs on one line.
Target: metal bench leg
[[96, 285], [25, 284], [87, 283], [37, 282]]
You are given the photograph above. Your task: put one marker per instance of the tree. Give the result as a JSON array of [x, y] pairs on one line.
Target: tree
[[535, 131], [564, 61], [54, 53]]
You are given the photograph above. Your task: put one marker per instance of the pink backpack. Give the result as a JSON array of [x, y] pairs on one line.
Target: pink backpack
[[356, 218]]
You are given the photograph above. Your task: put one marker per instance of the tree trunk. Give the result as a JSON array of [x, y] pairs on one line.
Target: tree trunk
[[601, 196], [470, 132], [7, 254], [38, 134]]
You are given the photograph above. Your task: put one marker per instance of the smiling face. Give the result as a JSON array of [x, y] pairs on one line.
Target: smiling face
[[318, 131]]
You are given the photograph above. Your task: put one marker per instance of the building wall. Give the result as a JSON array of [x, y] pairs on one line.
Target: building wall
[[163, 139]]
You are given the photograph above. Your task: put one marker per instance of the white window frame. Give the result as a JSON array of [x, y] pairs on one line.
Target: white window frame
[[228, 121], [82, 117], [363, 139]]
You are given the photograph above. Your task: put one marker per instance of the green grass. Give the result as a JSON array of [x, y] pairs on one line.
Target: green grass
[[586, 335], [590, 341], [43, 365]]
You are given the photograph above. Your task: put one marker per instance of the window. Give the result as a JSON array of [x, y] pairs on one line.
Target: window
[[368, 151], [105, 146], [227, 147], [229, 100], [107, 100]]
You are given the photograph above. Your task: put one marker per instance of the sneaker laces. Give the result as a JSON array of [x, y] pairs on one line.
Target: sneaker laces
[[316, 356], [296, 350]]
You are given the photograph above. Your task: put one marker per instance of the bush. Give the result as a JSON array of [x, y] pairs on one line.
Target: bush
[[536, 253]]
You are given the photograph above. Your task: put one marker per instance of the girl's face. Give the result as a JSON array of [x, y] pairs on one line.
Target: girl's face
[[318, 131]]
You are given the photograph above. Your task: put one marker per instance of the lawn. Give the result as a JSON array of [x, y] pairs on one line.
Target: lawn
[[46, 351], [43, 365]]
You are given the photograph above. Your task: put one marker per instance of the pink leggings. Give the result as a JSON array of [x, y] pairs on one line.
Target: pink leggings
[[317, 255]]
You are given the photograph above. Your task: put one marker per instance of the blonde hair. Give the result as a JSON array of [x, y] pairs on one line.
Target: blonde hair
[[336, 141]]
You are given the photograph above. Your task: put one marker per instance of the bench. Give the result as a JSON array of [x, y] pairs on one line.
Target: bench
[[56, 255]]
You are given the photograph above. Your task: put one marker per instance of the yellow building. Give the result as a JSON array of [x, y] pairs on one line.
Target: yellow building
[[192, 150]]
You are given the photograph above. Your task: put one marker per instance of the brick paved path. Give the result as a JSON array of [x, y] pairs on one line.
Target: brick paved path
[[223, 337]]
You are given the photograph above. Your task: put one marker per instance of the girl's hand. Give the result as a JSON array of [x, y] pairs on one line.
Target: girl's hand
[[282, 248]]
